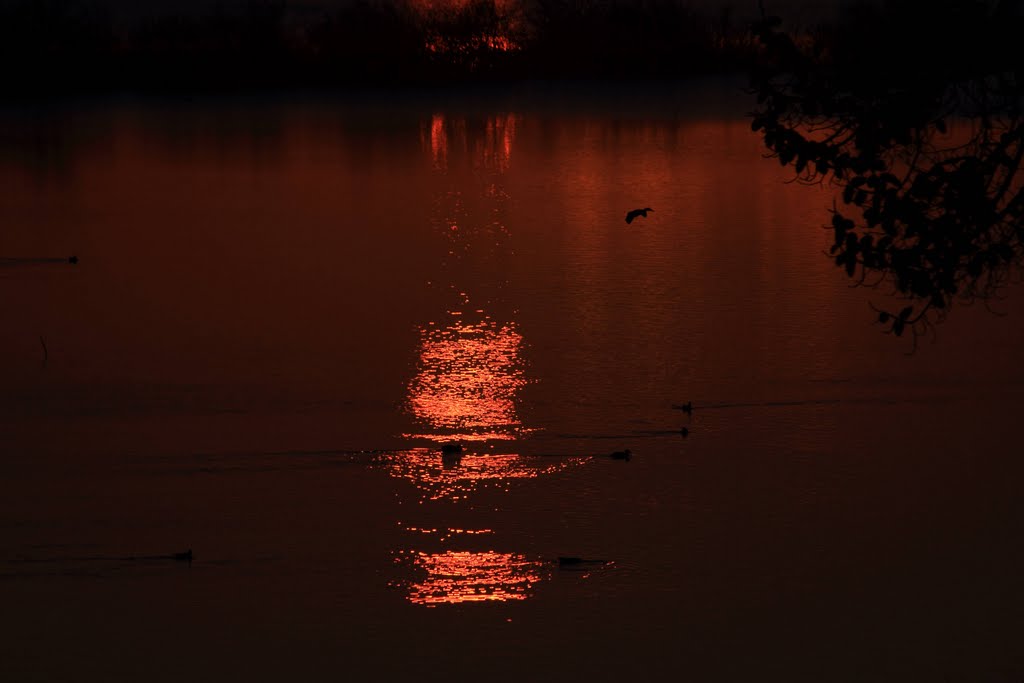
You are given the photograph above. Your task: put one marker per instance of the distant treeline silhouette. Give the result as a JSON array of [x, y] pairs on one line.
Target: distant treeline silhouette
[[53, 46]]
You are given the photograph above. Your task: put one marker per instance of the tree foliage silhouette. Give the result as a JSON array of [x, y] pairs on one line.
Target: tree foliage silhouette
[[916, 115]]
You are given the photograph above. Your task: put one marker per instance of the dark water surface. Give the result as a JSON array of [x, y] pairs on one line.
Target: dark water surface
[[282, 310]]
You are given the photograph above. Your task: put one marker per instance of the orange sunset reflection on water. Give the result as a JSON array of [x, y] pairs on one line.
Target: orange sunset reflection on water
[[470, 368], [455, 577], [468, 376], [488, 143], [455, 477]]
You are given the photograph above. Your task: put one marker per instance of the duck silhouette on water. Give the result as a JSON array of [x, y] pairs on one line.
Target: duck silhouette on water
[[621, 455]]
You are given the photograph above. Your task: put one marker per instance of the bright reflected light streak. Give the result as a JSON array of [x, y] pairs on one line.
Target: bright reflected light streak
[[466, 385], [445, 534], [438, 142], [490, 148], [461, 576], [454, 478]]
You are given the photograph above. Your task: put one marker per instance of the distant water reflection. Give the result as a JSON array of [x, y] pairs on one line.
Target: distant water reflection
[[462, 576], [470, 368], [489, 144]]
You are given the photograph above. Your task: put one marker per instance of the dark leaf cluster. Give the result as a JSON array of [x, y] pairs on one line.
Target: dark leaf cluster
[[921, 129]]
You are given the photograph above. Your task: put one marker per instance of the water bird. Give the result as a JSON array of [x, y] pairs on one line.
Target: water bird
[[685, 432], [637, 212], [451, 449], [183, 557], [621, 455], [686, 408], [73, 259]]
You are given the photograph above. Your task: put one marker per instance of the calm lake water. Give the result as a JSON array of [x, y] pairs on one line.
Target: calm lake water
[[282, 309]]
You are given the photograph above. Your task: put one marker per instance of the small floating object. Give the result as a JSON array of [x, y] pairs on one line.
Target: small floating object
[[621, 455], [183, 557], [686, 408], [577, 562], [451, 449], [73, 260], [685, 432]]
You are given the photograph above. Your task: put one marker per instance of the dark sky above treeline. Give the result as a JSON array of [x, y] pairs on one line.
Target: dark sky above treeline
[[799, 10], [59, 44]]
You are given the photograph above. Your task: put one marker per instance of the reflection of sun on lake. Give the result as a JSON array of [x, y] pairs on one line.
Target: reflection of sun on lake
[[467, 380], [462, 576], [487, 141], [454, 477]]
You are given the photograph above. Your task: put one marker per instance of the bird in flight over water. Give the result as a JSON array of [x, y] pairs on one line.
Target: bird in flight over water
[[637, 212]]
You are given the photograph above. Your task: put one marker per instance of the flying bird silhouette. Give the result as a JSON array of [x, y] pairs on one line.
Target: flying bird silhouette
[[637, 212]]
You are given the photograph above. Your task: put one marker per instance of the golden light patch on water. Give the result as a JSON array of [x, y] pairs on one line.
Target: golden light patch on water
[[468, 377], [438, 142], [495, 150], [455, 477], [456, 577], [489, 141], [445, 534]]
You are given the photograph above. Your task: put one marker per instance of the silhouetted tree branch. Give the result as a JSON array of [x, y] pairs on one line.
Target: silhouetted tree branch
[[916, 114]]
